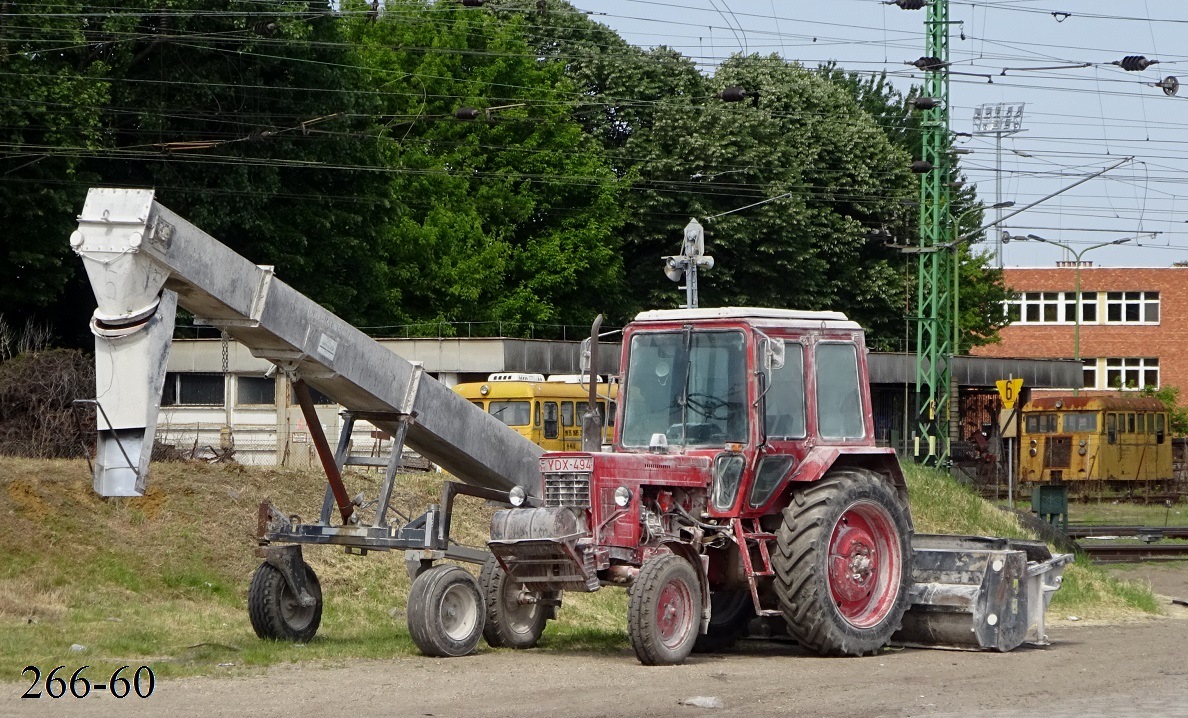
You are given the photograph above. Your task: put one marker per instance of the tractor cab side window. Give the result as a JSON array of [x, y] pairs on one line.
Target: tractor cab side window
[[784, 399], [839, 396]]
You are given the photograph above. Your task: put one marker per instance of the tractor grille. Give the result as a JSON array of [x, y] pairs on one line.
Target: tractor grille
[[1058, 452], [567, 490]]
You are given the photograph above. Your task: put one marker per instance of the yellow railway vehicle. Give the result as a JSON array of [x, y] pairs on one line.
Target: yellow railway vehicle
[[1094, 438], [548, 411]]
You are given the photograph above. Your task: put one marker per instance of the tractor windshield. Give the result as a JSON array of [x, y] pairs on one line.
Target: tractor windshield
[[689, 386]]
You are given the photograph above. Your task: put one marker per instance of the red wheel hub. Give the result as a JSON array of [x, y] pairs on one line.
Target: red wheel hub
[[864, 564], [674, 613]]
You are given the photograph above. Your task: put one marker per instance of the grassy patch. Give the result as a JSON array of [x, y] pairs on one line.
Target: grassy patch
[[162, 580], [1125, 513], [942, 505], [1089, 591]]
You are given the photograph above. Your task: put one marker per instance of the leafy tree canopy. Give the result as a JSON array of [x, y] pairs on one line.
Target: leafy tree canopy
[[326, 140]]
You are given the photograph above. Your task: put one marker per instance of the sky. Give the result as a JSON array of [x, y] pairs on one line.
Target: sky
[[1076, 120]]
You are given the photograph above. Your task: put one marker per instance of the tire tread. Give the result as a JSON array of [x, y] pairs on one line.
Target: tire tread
[[642, 597], [801, 588]]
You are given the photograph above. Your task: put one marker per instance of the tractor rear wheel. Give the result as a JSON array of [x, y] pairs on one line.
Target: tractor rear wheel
[[664, 610], [445, 612], [843, 563], [730, 612], [510, 624], [274, 609]]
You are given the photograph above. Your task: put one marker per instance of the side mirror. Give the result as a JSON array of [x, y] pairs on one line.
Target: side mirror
[[773, 354], [584, 357]]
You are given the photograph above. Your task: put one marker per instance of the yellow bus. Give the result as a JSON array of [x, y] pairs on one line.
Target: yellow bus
[[548, 411], [1094, 438]]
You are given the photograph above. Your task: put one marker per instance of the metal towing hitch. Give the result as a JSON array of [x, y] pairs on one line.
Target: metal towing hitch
[[978, 593]]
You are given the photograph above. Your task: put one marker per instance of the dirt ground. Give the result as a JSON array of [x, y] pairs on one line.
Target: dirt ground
[[1134, 669]]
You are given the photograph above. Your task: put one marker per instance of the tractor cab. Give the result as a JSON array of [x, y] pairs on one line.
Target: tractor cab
[[758, 391]]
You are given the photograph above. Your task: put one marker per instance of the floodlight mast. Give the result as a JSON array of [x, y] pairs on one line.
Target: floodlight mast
[[998, 119]]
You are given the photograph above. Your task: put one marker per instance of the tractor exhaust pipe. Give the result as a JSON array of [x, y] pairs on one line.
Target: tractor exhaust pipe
[[591, 421]]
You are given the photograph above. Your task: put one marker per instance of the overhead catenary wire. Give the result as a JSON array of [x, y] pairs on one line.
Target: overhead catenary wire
[[1112, 127]]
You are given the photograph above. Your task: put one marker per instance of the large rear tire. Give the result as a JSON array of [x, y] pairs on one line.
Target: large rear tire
[[664, 610], [445, 612], [510, 624], [843, 563], [730, 612], [274, 610]]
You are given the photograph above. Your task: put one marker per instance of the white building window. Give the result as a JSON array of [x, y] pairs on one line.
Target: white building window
[[1126, 373], [1132, 307], [1096, 308], [1090, 374]]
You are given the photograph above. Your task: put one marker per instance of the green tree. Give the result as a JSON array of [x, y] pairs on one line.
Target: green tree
[[50, 118], [512, 216], [1177, 414], [252, 120], [981, 285], [831, 174]]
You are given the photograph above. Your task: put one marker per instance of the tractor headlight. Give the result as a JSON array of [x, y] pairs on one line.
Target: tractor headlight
[[622, 497], [517, 496]]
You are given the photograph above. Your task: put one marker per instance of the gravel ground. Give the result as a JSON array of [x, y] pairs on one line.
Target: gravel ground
[[1135, 669]]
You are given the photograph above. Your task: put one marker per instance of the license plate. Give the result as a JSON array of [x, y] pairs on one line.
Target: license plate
[[566, 464]]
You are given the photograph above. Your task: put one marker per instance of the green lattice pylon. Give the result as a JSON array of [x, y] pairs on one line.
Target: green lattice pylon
[[934, 300]]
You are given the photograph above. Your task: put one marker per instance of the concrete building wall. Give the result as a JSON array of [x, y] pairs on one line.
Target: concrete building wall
[[275, 432]]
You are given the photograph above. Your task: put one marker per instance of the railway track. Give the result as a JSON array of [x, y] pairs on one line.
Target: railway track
[[1159, 532], [1135, 553], [1096, 540]]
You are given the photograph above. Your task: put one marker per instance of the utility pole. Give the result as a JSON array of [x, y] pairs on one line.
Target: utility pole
[[998, 119], [934, 306]]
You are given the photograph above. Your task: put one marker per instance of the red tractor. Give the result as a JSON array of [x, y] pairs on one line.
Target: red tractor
[[743, 481]]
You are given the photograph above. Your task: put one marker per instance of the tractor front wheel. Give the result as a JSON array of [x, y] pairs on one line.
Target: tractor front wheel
[[510, 624], [664, 610], [843, 563], [445, 612]]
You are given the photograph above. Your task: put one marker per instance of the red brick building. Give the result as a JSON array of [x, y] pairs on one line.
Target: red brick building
[[1133, 324]]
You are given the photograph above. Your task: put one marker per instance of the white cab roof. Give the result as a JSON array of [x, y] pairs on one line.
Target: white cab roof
[[797, 316]]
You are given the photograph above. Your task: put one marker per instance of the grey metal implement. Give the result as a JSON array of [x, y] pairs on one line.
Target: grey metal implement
[[139, 255]]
